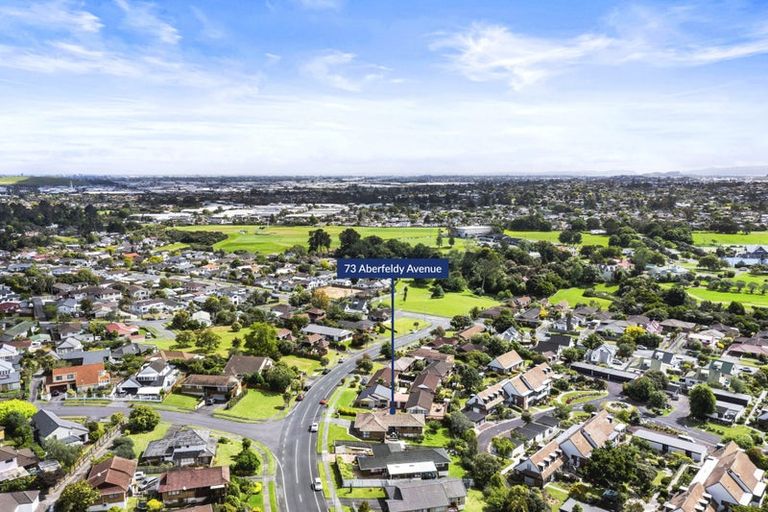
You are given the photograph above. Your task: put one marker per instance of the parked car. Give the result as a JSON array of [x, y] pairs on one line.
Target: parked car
[[323, 402], [313, 427], [317, 485], [299, 397]]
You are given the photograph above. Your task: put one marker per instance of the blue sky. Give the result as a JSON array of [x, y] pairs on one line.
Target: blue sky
[[331, 86]]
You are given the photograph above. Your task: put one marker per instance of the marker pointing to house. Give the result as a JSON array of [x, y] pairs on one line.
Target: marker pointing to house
[[392, 269]]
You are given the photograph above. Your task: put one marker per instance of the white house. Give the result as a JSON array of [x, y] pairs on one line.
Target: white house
[[203, 317], [506, 362], [603, 354], [20, 501]]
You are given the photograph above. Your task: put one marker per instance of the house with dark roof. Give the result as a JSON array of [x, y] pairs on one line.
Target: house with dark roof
[[426, 495], [194, 485], [113, 479], [153, 380], [394, 460], [16, 463], [47, 425], [182, 446], [221, 388], [242, 366]]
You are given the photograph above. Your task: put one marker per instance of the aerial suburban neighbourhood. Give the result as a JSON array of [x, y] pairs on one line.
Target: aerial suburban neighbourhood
[[598, 344], [383, 256]]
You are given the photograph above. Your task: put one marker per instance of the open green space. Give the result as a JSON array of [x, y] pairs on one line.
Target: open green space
[[12, 180], [746, 298], [256, 405], [474, 502], [273, 239], [556, 496], [338, 433], [419, 300], [709, 238], [140, 441], [439, 438], [574, 296], [552, 236], [182, 402], [580, 397]]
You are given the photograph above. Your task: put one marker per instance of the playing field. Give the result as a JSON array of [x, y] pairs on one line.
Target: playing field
[[274, 239], [419, 300], [708, 238], [576, 296], [746, 298], [12, 180], [551, 236]]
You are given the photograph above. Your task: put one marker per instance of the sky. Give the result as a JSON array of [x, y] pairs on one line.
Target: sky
[[380, 87]]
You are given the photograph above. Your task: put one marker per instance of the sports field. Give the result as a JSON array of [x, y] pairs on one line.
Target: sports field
[[551, 236], [575, 296], [419, 300], [709, 238], [274, 239], [746, 298]]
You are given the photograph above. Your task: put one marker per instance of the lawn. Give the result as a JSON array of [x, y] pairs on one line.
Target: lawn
[[255, 405], [746, 298], [337, 433], [574, 296], [556, 496], [439, 438], [225, 452], [274, 239], [12, 180], [580, 397], [171, 247], [552, 236], [419, 300], [140, 441], [708, 238], [308, 366], [728, 430], [474, 501], [182, 402]]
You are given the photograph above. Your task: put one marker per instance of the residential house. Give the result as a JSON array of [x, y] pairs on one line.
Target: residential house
[[10, 377], [357, 306], [182, 447], [242, 366], [726, 478], [426, 496], [20, 501], [153, 380], [67, 345], [48, 425], [570, 449], [604, 354], [470, 332], [672, 324], [330, 334], [192, 485], [78, 378], [483, 402], [664, 443], [506, 363], [530, 387], [220, 388], [380, 425], [16, 463], [122, 330], [113, 479], [393, 460]]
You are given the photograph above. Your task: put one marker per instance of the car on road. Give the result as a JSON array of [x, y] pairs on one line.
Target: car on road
[[317, 484], [323, 402], [326, 371], [686, 438], [313, 427], [299, 397]]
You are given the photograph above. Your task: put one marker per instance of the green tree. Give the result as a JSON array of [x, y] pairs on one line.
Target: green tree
[[143, 418], [702, 401], [27, 409], [262, 341], [208, 341], [64, 454], [185, 339], [77, 497], [319, 241], [246, 462], [483, 467]]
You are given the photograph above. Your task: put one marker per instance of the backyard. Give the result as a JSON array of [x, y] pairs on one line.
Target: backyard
[[419, 300], [256, 405]]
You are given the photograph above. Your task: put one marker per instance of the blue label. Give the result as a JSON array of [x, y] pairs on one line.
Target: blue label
[[362, 268]]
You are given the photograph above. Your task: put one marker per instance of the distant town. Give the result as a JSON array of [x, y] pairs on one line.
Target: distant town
[[184, 344]]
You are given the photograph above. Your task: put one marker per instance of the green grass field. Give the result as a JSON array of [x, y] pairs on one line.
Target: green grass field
[[140, 441], [12, 180], [273, 239], [338, 433], [551, 236], [576, 296], [746, 298], [420, 301], [475, 501], [182, 402], [255, 405], [708, 238]]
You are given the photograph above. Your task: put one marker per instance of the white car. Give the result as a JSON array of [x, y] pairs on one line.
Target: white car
[[313, 427], [317, 485], [686, 438]]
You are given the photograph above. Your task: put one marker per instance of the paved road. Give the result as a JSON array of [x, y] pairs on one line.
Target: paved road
[[288, 438]]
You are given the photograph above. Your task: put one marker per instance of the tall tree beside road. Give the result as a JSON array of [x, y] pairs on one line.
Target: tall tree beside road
[[702, 401], [262, 341]]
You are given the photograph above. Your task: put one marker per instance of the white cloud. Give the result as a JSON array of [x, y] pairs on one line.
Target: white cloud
[[210, 30], [341, 70], [56, 14], [141, 16], [492, 52]]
